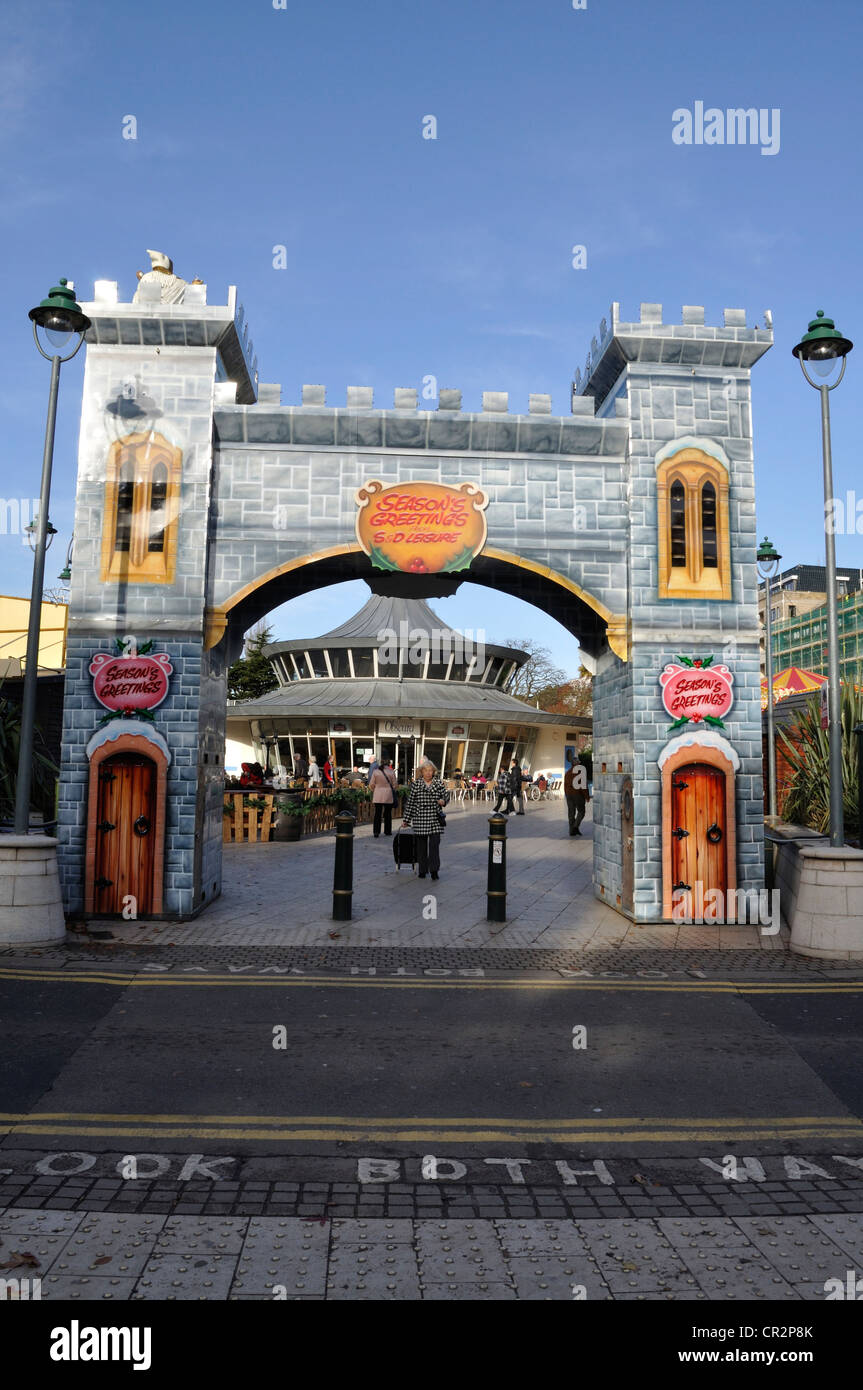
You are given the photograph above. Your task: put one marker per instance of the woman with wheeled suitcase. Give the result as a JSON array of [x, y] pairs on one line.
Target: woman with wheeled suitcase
[[425, 815]]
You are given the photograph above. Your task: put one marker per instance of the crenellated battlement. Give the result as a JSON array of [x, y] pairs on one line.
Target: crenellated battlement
[[690, 342]]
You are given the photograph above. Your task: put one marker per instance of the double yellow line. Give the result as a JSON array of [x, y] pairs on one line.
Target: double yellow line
[[467, 1130], [217, 980]]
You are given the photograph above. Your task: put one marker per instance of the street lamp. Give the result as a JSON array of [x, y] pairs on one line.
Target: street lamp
[[32, 529], [768, 566], [62, 326], [66, 572], [823, 348]]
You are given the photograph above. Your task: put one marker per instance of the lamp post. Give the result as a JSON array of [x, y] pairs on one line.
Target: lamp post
[[768, 566], [61, 322], [823, 348]]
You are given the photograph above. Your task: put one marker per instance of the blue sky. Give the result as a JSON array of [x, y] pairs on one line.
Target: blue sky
[[451, 257]]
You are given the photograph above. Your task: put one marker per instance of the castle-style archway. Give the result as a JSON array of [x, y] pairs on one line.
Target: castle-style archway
[[582, 515]]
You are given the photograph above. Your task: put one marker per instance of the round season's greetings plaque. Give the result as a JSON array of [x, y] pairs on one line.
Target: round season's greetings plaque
[[130, 682], [421, 528], [697, 690]]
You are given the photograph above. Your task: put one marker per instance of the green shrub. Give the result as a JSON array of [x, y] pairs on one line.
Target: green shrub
[[808, 799]]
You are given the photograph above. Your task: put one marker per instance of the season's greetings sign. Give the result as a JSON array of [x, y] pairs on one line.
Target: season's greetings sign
[[130, 682], [421, 528], [697, 690]]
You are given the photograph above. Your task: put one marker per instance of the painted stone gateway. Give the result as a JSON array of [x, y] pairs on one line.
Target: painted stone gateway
[[203, 503]]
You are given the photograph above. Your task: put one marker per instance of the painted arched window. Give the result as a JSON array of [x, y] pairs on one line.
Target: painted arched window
[[709, 552], [693, 532], [142, 496], [677, 523]]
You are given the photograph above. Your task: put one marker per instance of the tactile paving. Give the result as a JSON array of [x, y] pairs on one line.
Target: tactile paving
[[451, 1252], [795, 1246], [847, 1232], [736, 1274], [380, 1271], [519, 1238], [86, 1289], [374, 1230], [283, 1252], [186, 1277], [219, 1235], [633, 1257], [108, 1244]]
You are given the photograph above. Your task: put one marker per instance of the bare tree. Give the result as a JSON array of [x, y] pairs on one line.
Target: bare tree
[[538, 672]]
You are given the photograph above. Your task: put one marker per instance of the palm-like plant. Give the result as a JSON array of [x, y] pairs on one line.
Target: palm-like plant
[[808, 799], [44, 768]]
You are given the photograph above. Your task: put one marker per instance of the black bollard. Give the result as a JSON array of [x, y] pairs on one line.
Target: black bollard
[[496, 891], [343, 873]]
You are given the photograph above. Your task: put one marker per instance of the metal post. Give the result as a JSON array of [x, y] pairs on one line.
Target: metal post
[[496, 891], [31, 670], [343, 873], [771, 734], [834, 704]]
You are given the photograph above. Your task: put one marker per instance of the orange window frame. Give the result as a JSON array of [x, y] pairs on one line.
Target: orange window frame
[[692, 468], [140, 565]]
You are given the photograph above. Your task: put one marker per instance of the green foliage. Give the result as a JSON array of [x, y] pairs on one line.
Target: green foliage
[[252, 676], [808, 799], [45, 770]]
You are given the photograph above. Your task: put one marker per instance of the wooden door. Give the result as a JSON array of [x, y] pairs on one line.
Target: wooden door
[[125, 834], [627, 839], [698, 835]]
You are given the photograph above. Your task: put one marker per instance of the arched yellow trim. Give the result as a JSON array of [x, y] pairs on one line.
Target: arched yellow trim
[[217, 617]]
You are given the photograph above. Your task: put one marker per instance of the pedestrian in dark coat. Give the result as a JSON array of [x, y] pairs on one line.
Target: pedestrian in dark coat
[[424, 814]]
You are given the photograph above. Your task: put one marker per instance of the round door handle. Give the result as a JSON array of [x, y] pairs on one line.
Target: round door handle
[[714, 834], [141, 826]]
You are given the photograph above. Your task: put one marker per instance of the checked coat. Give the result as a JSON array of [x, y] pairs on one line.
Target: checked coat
[[421, 806]]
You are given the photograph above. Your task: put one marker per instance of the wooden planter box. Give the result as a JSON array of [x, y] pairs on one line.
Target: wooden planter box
[[247, 824]]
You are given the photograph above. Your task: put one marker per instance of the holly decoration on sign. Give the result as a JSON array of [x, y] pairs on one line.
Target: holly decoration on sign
[[380, 560], [128, 713], [459, 562], [697, 663]]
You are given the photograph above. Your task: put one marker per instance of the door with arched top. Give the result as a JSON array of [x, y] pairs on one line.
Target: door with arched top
[[125, 835], [698, 830]]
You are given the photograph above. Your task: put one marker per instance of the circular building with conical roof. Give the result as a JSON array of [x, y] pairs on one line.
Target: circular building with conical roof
[[395, 681]]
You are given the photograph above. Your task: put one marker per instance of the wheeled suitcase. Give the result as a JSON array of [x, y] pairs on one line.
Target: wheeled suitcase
[[404, 848]]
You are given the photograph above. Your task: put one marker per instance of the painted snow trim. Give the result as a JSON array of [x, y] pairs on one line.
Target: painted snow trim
[[689, 441], [704, 738], [135, 728]]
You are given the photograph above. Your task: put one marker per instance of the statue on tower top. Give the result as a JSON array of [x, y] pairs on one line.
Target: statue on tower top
[[160, 283]]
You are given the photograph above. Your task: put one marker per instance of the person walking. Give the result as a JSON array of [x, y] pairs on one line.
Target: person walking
[[315, 777], [383, 785], [424, 814], [504, 792], [517, 779], [576, 793]]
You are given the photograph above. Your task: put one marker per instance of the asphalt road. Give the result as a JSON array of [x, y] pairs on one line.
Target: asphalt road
[[94, 1063]]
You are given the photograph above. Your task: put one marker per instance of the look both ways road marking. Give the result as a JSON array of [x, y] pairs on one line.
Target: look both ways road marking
[[215, 980], [412, 1129]]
